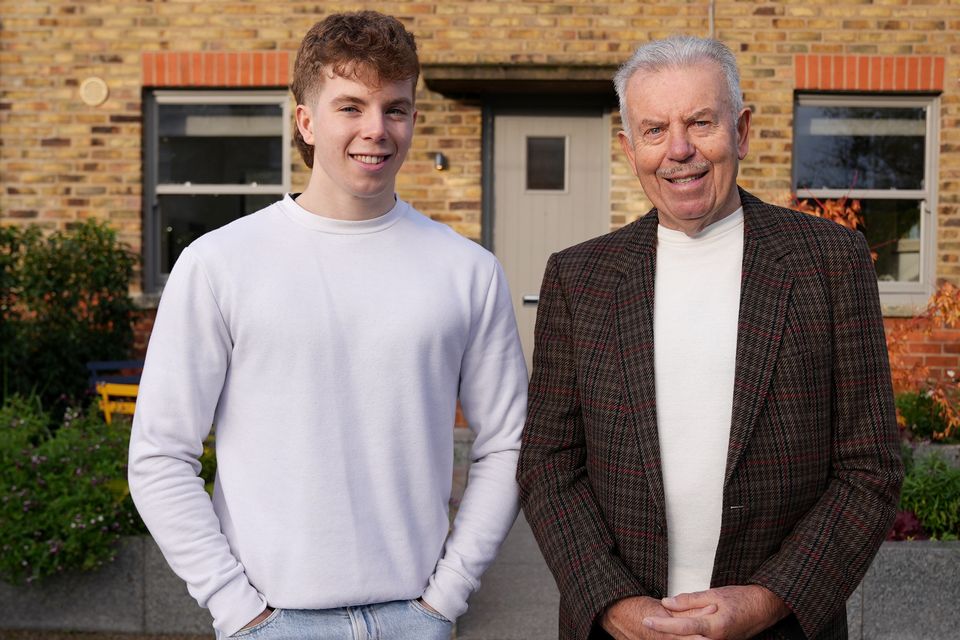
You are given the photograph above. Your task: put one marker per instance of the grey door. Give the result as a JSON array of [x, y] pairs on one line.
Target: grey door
[[551, 190]]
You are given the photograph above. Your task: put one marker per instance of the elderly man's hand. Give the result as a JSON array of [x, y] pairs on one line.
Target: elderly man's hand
[[739, 612], [624, 618]]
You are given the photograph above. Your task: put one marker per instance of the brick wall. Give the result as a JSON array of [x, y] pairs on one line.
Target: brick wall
[[63, 161], [938, 351]]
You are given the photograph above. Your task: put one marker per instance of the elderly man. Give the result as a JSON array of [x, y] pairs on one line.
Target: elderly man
[[710, 448]]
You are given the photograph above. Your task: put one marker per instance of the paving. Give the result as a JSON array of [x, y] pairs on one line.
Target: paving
[[518, 599]]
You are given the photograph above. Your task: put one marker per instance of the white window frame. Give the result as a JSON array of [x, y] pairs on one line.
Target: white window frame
[[897, 298], [153, 278]]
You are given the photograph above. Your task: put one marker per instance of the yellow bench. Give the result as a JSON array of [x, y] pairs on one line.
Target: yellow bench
[[117, 382], [117, 397]]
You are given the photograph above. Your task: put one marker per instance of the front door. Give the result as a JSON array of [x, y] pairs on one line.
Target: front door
[[551, 190]]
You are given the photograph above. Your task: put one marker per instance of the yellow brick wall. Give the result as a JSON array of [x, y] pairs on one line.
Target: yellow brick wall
[[62, 161]]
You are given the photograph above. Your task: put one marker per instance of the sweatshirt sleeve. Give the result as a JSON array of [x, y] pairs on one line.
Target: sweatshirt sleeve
[[493, 396], [182, 379]]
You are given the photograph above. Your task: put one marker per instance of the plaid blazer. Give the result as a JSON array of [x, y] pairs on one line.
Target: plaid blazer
[[813, 468]]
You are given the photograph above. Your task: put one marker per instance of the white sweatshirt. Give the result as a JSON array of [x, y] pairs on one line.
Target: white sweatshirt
[[330, 355], [695, 315]]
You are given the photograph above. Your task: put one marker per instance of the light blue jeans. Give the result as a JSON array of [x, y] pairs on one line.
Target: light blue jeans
[[398, 620]]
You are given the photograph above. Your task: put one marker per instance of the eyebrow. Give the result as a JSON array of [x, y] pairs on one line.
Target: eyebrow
[[646, 122], [700, 113], [346, 97]]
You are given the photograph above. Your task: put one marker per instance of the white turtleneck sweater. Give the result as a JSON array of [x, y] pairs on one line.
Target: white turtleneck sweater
[[696, 310], [330, 355]]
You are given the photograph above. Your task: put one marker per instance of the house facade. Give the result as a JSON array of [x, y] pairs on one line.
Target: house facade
[[170, 118]]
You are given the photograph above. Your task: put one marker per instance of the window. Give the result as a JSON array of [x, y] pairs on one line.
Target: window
[[211, 157], [881, 151], [546, 163]]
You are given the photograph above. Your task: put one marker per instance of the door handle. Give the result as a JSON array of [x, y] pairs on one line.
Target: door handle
[[531, 299]]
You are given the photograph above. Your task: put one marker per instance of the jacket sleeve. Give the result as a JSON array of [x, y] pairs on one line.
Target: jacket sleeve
[[555, 490], [182, 379], [493, 395], [827, 554]]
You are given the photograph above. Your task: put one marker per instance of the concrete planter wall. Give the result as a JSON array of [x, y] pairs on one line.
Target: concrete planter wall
[[137, 593], [911, 592], [949, 452]]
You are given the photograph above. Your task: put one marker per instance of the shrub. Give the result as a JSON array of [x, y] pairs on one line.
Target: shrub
[[64, 498], [64, 302], [906, 526], [13, 243], [943, 311], [921, 415], [64, 501], [932, 491]]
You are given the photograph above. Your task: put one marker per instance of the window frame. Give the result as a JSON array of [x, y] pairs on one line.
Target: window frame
[[897, 298], [153, 279]]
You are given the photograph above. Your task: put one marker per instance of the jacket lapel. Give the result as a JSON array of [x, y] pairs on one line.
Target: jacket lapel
[[633, 310], [764, 296]]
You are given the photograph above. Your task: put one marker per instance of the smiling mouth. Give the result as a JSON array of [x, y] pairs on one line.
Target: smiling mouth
[[685, 179], [684, 174], [368, 159]]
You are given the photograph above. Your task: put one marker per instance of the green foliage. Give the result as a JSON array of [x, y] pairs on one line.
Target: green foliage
[[64, 302], [922, 415], [208, 464], [906, 454], [931, 490], [13, 243], [64, 498], [64, 501]]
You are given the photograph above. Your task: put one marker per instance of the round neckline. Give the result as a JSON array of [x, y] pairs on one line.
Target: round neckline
[[711, 233], [296, 213]]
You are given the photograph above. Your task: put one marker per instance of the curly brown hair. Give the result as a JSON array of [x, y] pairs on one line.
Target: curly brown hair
[[363, 45]]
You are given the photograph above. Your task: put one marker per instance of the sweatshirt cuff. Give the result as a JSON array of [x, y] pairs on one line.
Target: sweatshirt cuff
[[235, 605], [447, 592]]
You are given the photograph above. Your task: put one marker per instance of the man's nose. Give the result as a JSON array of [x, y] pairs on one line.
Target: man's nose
[[679, 146], [374, 126]]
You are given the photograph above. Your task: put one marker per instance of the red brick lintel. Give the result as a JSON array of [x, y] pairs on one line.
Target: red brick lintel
[[215, 68], [869, 73]]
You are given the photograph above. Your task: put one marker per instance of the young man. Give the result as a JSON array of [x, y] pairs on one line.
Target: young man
[[328, 337]]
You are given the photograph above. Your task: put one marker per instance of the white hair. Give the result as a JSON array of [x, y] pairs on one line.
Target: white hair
[[676, 52]]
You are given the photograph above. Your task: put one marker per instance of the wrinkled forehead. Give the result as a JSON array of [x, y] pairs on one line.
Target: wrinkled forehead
[[692, 86]]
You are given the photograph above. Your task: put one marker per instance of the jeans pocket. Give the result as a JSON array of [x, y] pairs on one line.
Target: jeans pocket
[[260, 626], [427, 612]]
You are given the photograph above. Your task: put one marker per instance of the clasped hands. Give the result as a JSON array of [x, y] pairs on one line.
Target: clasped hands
[[723, 613]]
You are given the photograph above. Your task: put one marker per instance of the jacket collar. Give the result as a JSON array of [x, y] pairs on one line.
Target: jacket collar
[[759, 227]]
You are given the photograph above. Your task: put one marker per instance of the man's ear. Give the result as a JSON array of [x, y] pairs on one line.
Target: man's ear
[[743, 130], [627, 147], [304, 118]]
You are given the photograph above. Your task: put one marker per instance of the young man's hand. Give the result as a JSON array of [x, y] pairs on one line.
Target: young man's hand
[[260, 618], [427, 606]]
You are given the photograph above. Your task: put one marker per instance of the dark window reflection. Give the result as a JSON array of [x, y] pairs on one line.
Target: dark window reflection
[[183, 219], [892, 228], [220, 144], [859, 147], [546, 158]]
